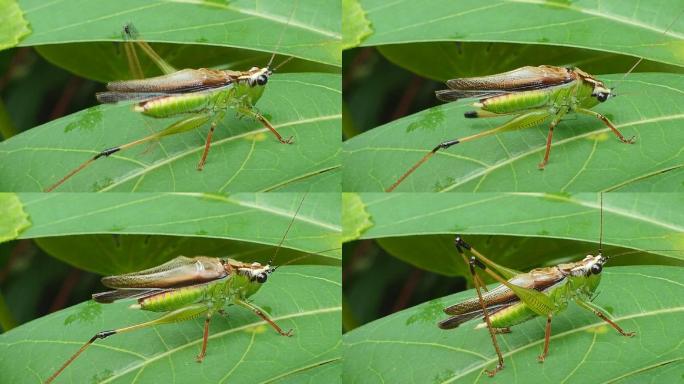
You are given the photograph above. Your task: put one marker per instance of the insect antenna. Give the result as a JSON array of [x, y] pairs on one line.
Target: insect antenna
[[280, 39], [282, 63], [600, 250], [275, 254], [641, 58]]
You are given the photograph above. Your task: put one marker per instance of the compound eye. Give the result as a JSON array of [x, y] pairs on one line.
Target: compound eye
[[261, 278], [262, 80], [602, 96], [596, 269]]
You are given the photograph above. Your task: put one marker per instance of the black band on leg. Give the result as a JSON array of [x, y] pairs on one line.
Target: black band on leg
[[445, 145], [107, 152], [103, 334], [460, 243], [474, 261]]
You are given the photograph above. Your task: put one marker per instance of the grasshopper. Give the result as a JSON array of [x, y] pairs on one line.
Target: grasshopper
[[186, 288], [523, 296], [203, 94], [535, 94]]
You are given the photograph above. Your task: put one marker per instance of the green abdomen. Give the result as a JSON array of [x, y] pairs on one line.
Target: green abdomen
[[167, 301], [516, 102], [168, 106], [515, 314]]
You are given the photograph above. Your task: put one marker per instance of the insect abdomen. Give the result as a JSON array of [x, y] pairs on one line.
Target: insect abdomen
[[177, 104], [514, 102], [170, 300], [515, 314]]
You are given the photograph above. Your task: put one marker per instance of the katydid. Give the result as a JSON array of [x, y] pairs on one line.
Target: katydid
[[523, 296], [203, 96], [187, 288]]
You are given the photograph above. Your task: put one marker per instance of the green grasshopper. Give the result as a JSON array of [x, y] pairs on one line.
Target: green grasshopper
[[204, 94], [523, 296], [535, 94], [184, 289]]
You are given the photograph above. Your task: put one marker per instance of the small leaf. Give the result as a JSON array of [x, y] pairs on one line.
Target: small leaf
[[355, 218], [13, 25], [583, 348], [13, 218], [355, 25], [241, 348]]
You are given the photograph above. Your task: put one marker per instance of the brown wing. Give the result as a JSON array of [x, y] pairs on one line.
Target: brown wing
[[539, 279], [179, 272], [520, 79], [185, 80], [457, 320], [126, 293]]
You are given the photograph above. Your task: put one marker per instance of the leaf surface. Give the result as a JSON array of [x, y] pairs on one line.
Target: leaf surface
[[585, 155], [244, 155], [645, 29], [313, 32], [241, 348], [408, 346]]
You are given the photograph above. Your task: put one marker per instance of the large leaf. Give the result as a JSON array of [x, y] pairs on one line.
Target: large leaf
[[244, 156], [312, 32], [447, 60], [86, 59], [585, 155], [401, 222], [253, 218], [241, 347], [408, 347], [634, 28]]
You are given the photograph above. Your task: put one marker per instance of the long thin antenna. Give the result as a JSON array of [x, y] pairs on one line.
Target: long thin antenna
[[641, 58], [600, 250], [282, 33], [275, 254]]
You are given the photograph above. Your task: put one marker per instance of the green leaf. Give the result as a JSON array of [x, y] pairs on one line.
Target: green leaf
[[447, 60], [261, 220], [86, 59], [585, 155], [310, 31], [583, 349], [355, 25], [13, 25], [355, 219], [244, 155], [241, 348], [13, 218], [630, 220], [633, 28]]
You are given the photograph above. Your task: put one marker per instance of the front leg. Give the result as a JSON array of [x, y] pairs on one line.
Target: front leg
[[257, 311], [608, 123], [605, 318], [250, 112]]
